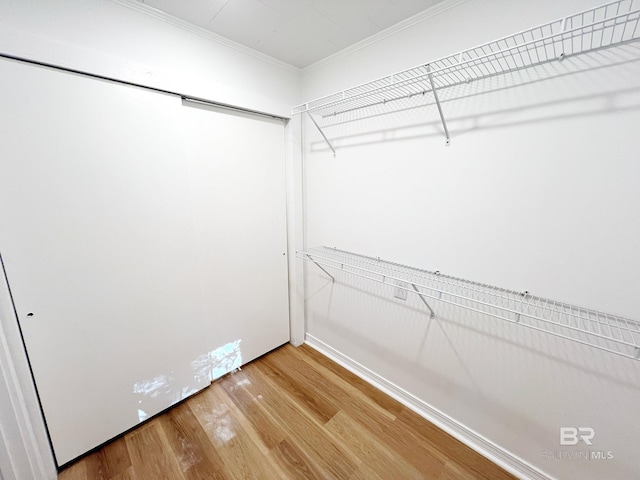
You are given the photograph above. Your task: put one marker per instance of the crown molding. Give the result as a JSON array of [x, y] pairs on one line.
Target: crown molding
[[420, 17], [214, 37], [219, 39]]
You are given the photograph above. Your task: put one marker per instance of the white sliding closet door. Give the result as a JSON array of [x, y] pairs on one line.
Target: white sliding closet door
[[238, 185], [97, 237], [144, 242]]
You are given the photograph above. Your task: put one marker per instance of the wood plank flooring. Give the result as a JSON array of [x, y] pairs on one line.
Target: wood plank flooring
[[292, 414]]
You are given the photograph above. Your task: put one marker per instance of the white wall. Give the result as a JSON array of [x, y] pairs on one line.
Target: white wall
[[115, 39], [538, 192]]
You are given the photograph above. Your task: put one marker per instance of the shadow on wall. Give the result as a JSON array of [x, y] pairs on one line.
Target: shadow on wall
[[403, 334], [406, 336], [426, 351], [581, 86], [411, 326]]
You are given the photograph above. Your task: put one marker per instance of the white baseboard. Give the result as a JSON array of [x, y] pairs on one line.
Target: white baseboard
[[473, 440]]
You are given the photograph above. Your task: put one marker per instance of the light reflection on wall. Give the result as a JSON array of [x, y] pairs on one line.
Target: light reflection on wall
[[214, 364], [162, 391]]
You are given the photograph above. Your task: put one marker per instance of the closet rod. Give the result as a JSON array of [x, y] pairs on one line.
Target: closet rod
[[188, 98]]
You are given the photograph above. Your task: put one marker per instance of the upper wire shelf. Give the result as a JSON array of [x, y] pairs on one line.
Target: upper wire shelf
[[611, 333], [601, 27]]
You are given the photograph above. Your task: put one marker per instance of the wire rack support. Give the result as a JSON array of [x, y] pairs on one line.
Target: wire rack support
[[432, 313], [608, 25], [435, 95], [604, 331], [309, 257], [322, 133]]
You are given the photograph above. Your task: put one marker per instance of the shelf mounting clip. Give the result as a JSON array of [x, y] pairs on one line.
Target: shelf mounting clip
[[333, 280], [433, 314], [322, 133], [435, 95]]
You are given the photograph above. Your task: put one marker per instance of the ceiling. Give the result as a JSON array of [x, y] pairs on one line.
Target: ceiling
[[298, 32]]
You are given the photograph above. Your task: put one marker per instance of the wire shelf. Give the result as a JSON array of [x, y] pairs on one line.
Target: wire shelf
[[611, 333], [611, 24]]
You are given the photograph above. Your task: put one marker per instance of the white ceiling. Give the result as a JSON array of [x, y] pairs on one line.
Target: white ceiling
[[298, 32]]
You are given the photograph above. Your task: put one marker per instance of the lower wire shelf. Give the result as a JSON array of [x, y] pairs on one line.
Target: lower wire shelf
[[611, 333]]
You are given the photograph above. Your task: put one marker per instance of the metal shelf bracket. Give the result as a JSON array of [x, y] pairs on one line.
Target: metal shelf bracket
[[322, 133], [433, 314], [435, 95], [333, 280]]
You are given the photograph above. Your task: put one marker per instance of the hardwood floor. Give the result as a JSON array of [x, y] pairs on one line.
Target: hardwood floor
[[290, 414]]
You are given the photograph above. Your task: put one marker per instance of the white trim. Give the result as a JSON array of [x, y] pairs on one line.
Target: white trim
[[294, 229], [29, 452], [472, 439], [203, 32], [420, 17]]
